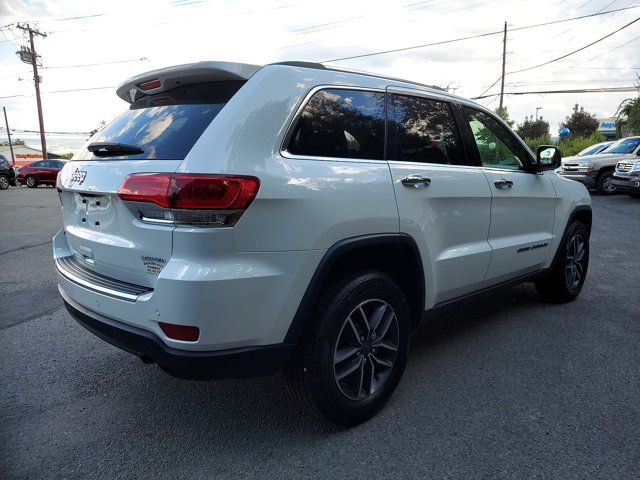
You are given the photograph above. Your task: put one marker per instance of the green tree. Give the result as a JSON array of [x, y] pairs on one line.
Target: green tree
[[503, 113], [629, 113], [14, 142], [531, 128], [580, 123], [97, 129]]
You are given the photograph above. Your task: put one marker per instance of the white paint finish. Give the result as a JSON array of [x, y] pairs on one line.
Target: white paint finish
[[570, 195], [312, 204], [521, 216], [235, 299], [101, 230], [449, 219]]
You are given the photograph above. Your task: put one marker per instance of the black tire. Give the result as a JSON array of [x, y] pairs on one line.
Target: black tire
[[312, 373], [604, 185], [560, 285], [4, 182], [634, 195], [31, 181]]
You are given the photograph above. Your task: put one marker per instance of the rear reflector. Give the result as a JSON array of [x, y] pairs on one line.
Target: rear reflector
[[150, 85], [180, 332], [189, 198]]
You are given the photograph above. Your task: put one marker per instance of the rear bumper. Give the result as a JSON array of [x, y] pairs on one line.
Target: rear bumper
[[587, 179], [191, 365]]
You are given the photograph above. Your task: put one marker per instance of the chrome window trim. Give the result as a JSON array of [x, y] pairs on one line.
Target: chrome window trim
[[294, 121]]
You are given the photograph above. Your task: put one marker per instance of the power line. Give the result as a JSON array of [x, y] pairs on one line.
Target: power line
[[22, 130], [578, 50], [578, 90], [561, 57], [60, 91], [470, 37], [141, 59]]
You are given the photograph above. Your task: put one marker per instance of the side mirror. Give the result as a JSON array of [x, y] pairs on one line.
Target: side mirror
[[548, 157]]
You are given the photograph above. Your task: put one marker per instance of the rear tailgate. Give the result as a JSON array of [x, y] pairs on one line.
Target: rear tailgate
[[103, 233]]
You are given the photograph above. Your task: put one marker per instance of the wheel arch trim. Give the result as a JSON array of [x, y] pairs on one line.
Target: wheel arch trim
[[329, 260]]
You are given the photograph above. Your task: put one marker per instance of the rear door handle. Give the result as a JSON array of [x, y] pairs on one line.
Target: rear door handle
[[502, 183], [416, 181]]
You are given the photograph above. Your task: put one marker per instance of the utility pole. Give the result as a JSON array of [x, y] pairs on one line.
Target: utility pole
[[504, 62], [6, 122], [30, 56]]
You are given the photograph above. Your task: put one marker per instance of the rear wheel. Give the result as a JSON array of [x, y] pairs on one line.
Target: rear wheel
[[4, 182], [31, 181], [353, 353], [604, 185], [566, 278]]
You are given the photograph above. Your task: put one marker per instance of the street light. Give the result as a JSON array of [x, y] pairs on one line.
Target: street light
[[537, 108]]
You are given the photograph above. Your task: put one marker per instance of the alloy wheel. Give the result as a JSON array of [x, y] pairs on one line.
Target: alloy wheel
[[4, 182], [608, 185], [366, 349], [574, 264], [30, 182]]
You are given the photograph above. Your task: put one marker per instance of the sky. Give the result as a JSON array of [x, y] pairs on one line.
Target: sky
[[96, 45]]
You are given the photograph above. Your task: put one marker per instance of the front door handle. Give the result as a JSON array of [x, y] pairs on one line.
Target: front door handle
[[416, 181], [502, 183]]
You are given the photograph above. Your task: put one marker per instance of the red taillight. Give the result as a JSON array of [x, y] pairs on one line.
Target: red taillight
[[146, 187], [187, 198], [150, 85], [190, 192], [208, 192], [180, 332]]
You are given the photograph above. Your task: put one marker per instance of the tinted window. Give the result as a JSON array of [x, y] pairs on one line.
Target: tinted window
[[37, 165], [498, 148], [58, 164], [341, 123], [168, 124], [624, 145], [424, 130]]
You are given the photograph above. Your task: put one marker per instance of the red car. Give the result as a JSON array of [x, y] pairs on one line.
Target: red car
[[43, 172]]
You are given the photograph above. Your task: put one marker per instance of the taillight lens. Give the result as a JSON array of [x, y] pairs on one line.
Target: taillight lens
[[189, 198]]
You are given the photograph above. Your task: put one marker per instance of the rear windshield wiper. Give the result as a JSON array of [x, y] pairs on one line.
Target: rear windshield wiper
[[109, 149]]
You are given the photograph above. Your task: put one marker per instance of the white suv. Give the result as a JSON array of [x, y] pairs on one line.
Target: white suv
[[238, 220]]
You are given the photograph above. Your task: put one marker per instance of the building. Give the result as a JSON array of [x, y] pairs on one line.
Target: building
[[607, 127], [23, 154]]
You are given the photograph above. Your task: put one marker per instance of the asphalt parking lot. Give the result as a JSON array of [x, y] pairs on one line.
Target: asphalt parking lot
[[509, 387]]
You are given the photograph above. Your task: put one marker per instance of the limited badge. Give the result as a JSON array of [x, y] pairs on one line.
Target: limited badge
[[154, 265]]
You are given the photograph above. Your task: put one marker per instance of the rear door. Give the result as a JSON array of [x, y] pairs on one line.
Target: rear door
[[523, 202], [100, 229], [443, 203]]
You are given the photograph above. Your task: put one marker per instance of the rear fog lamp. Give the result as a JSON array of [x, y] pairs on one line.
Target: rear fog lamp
[[183, 333]]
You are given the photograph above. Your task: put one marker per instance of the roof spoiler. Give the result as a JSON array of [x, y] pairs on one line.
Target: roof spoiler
[[164, 79]]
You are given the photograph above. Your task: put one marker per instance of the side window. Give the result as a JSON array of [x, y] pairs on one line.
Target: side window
[[341, 123], [424, 131], [58, 164], [37, 165], [497, 147]]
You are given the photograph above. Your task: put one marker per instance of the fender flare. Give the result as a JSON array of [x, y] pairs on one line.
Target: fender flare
[[312, 293]]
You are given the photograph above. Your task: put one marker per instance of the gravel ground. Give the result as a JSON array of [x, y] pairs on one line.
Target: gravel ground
[[509, 387]]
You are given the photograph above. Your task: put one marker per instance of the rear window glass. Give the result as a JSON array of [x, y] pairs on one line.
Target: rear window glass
[[341, 123], [424, 131], [166, 125]]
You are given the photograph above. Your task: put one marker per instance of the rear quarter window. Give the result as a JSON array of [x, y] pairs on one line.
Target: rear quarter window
[[166, 125], [341, 123]]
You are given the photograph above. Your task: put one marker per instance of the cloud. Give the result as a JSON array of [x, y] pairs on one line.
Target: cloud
[[266, 31]]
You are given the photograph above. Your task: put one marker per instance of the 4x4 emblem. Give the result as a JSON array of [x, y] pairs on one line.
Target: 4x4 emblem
[[78, 176]]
